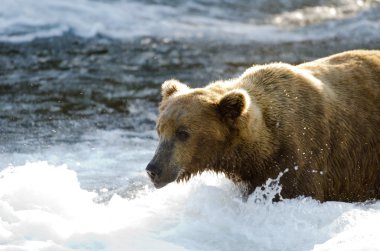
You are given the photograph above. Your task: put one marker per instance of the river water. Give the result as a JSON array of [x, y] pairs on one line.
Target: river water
[[79, 90]]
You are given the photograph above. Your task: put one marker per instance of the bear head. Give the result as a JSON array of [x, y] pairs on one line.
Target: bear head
[[195, 128]]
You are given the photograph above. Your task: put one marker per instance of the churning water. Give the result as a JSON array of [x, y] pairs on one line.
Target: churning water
[[79, 89]]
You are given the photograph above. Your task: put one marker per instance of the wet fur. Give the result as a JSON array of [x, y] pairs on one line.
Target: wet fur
[[320, 120]]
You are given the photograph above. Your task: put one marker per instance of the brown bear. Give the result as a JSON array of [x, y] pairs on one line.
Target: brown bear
[[318, 123]]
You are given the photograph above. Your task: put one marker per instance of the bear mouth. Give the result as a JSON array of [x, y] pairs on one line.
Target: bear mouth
[[162, 180], [159, 185]]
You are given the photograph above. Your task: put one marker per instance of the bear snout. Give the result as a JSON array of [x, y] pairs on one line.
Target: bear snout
[[153, 171], [159, 176], [155, 174]]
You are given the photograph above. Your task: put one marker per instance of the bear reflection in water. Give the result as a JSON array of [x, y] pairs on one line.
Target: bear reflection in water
[[319, 120]]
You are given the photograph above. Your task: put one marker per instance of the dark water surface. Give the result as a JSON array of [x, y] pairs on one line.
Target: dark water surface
[[53, 89]]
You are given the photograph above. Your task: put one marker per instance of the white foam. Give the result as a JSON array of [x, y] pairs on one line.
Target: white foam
[[320, 13], [100, 158], [25, 20], [42, 207]]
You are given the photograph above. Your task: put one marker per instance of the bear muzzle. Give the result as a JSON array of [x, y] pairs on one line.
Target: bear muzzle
[[154, 173]]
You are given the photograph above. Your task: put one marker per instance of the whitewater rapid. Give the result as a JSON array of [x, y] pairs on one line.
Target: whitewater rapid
[[270, 21], [43, 207]]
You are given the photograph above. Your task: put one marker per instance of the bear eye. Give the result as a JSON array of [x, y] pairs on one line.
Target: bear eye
[[182, 135]]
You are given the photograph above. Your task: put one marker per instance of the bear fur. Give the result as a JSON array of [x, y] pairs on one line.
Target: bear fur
[[317, 123]]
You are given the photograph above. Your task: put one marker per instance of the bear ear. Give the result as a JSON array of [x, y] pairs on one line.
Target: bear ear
[[172, 86], [233, 104]]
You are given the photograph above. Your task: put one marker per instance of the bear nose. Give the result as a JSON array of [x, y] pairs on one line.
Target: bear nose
[[152, 171]]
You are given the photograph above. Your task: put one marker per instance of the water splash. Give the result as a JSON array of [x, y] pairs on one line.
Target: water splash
[[269, 191], [42, 207]]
